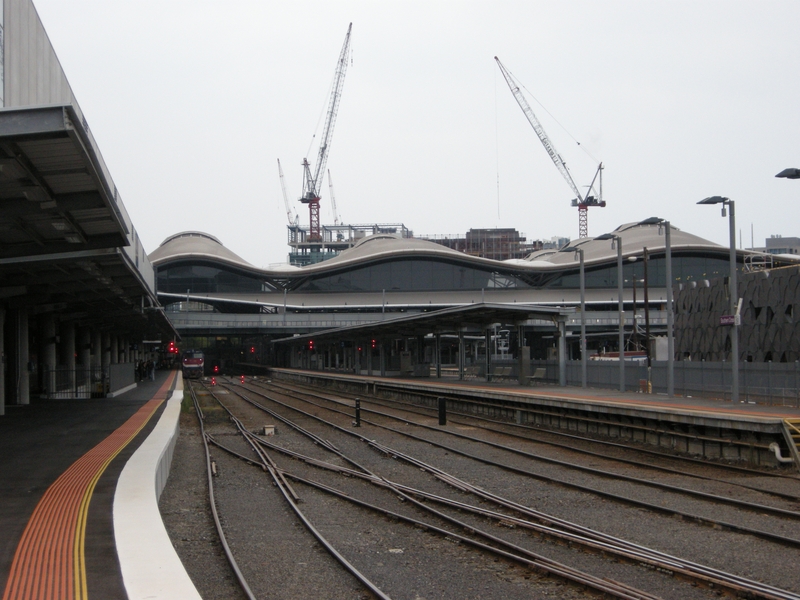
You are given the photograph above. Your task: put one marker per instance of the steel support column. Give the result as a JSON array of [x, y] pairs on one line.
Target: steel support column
[[2, 361], [488, 358], [562, 352], [23, 357]]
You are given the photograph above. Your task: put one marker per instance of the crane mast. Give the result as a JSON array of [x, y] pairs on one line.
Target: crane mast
[[311, 183], [579, 200]]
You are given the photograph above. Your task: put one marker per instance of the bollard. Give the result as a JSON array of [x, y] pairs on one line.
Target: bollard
[[442, 411], [357, 422]]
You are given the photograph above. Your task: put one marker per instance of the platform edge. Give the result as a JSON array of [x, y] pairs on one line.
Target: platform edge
[[150, 566]]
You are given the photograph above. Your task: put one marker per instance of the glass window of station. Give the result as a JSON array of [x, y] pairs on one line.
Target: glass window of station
[[685, 269], [202, 279], [410, 276]]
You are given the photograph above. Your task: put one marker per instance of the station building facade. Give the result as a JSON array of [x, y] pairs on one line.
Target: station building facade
[[219, 301]]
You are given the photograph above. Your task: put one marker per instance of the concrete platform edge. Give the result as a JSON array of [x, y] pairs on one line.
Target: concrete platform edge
[[132, 386], [150, 566]]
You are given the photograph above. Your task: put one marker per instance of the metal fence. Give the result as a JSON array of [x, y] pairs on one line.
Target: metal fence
[[762, 383], [65, 383]]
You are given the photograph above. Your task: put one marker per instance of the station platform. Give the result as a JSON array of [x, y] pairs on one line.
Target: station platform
[[79, 481], [593, 396], [709, 427]]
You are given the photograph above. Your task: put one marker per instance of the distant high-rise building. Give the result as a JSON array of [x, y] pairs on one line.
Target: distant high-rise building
[[776, 244]]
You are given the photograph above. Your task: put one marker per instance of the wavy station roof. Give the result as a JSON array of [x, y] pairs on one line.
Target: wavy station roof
[[293, 286]]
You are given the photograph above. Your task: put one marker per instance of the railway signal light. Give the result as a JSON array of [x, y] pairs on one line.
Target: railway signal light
[[373, 344], [252, 349], [242, 378], [213, 381], [310, 344]]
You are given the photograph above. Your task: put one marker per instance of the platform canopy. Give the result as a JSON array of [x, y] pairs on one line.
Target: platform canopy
[[474, 318], [66, 242]]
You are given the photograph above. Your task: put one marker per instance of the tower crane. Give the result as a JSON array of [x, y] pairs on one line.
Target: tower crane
[[333, 199], [291, 215], [311, 183], [583, 203]]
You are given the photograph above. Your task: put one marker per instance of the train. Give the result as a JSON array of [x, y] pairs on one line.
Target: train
[[193, 364]]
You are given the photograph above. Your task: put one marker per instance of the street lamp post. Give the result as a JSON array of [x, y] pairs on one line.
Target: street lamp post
[[668, 281], [645, 258], [734, 291], [670, 317], [617, 241], [579, 251]]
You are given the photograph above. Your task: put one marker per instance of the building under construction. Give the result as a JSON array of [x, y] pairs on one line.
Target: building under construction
[[497, 244], [333, 239]]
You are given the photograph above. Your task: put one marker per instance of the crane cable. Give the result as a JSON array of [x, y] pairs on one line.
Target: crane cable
[[325, 106], [321, 113], [564, 129], [496, 143]]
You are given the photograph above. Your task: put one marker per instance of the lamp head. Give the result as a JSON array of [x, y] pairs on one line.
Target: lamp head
[[790, 173], [715, 200], [609, 236], [652, 221]]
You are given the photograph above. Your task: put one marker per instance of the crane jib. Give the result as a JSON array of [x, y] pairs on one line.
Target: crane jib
[[581, 202], [312, 184]]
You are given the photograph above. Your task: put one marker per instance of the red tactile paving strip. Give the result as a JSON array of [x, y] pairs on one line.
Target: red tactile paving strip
[[49, 563]]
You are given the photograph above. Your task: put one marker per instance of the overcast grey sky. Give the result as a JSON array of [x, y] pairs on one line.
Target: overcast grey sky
[[192, 102]]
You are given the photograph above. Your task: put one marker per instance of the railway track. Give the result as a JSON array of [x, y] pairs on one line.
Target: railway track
[[457, 519], [286, 492], [787, 513], [572, 441]]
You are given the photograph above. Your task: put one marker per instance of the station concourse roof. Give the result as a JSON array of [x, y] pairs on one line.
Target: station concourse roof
[[474, 318], [65, 237]]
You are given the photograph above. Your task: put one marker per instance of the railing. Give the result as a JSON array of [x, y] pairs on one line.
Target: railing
[[93, 382], [759, 383], [278, 323], [63, 383], [776, 384]]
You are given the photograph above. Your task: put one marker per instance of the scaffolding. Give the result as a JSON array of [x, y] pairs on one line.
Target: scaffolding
[[497, 244], [334, 239]]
